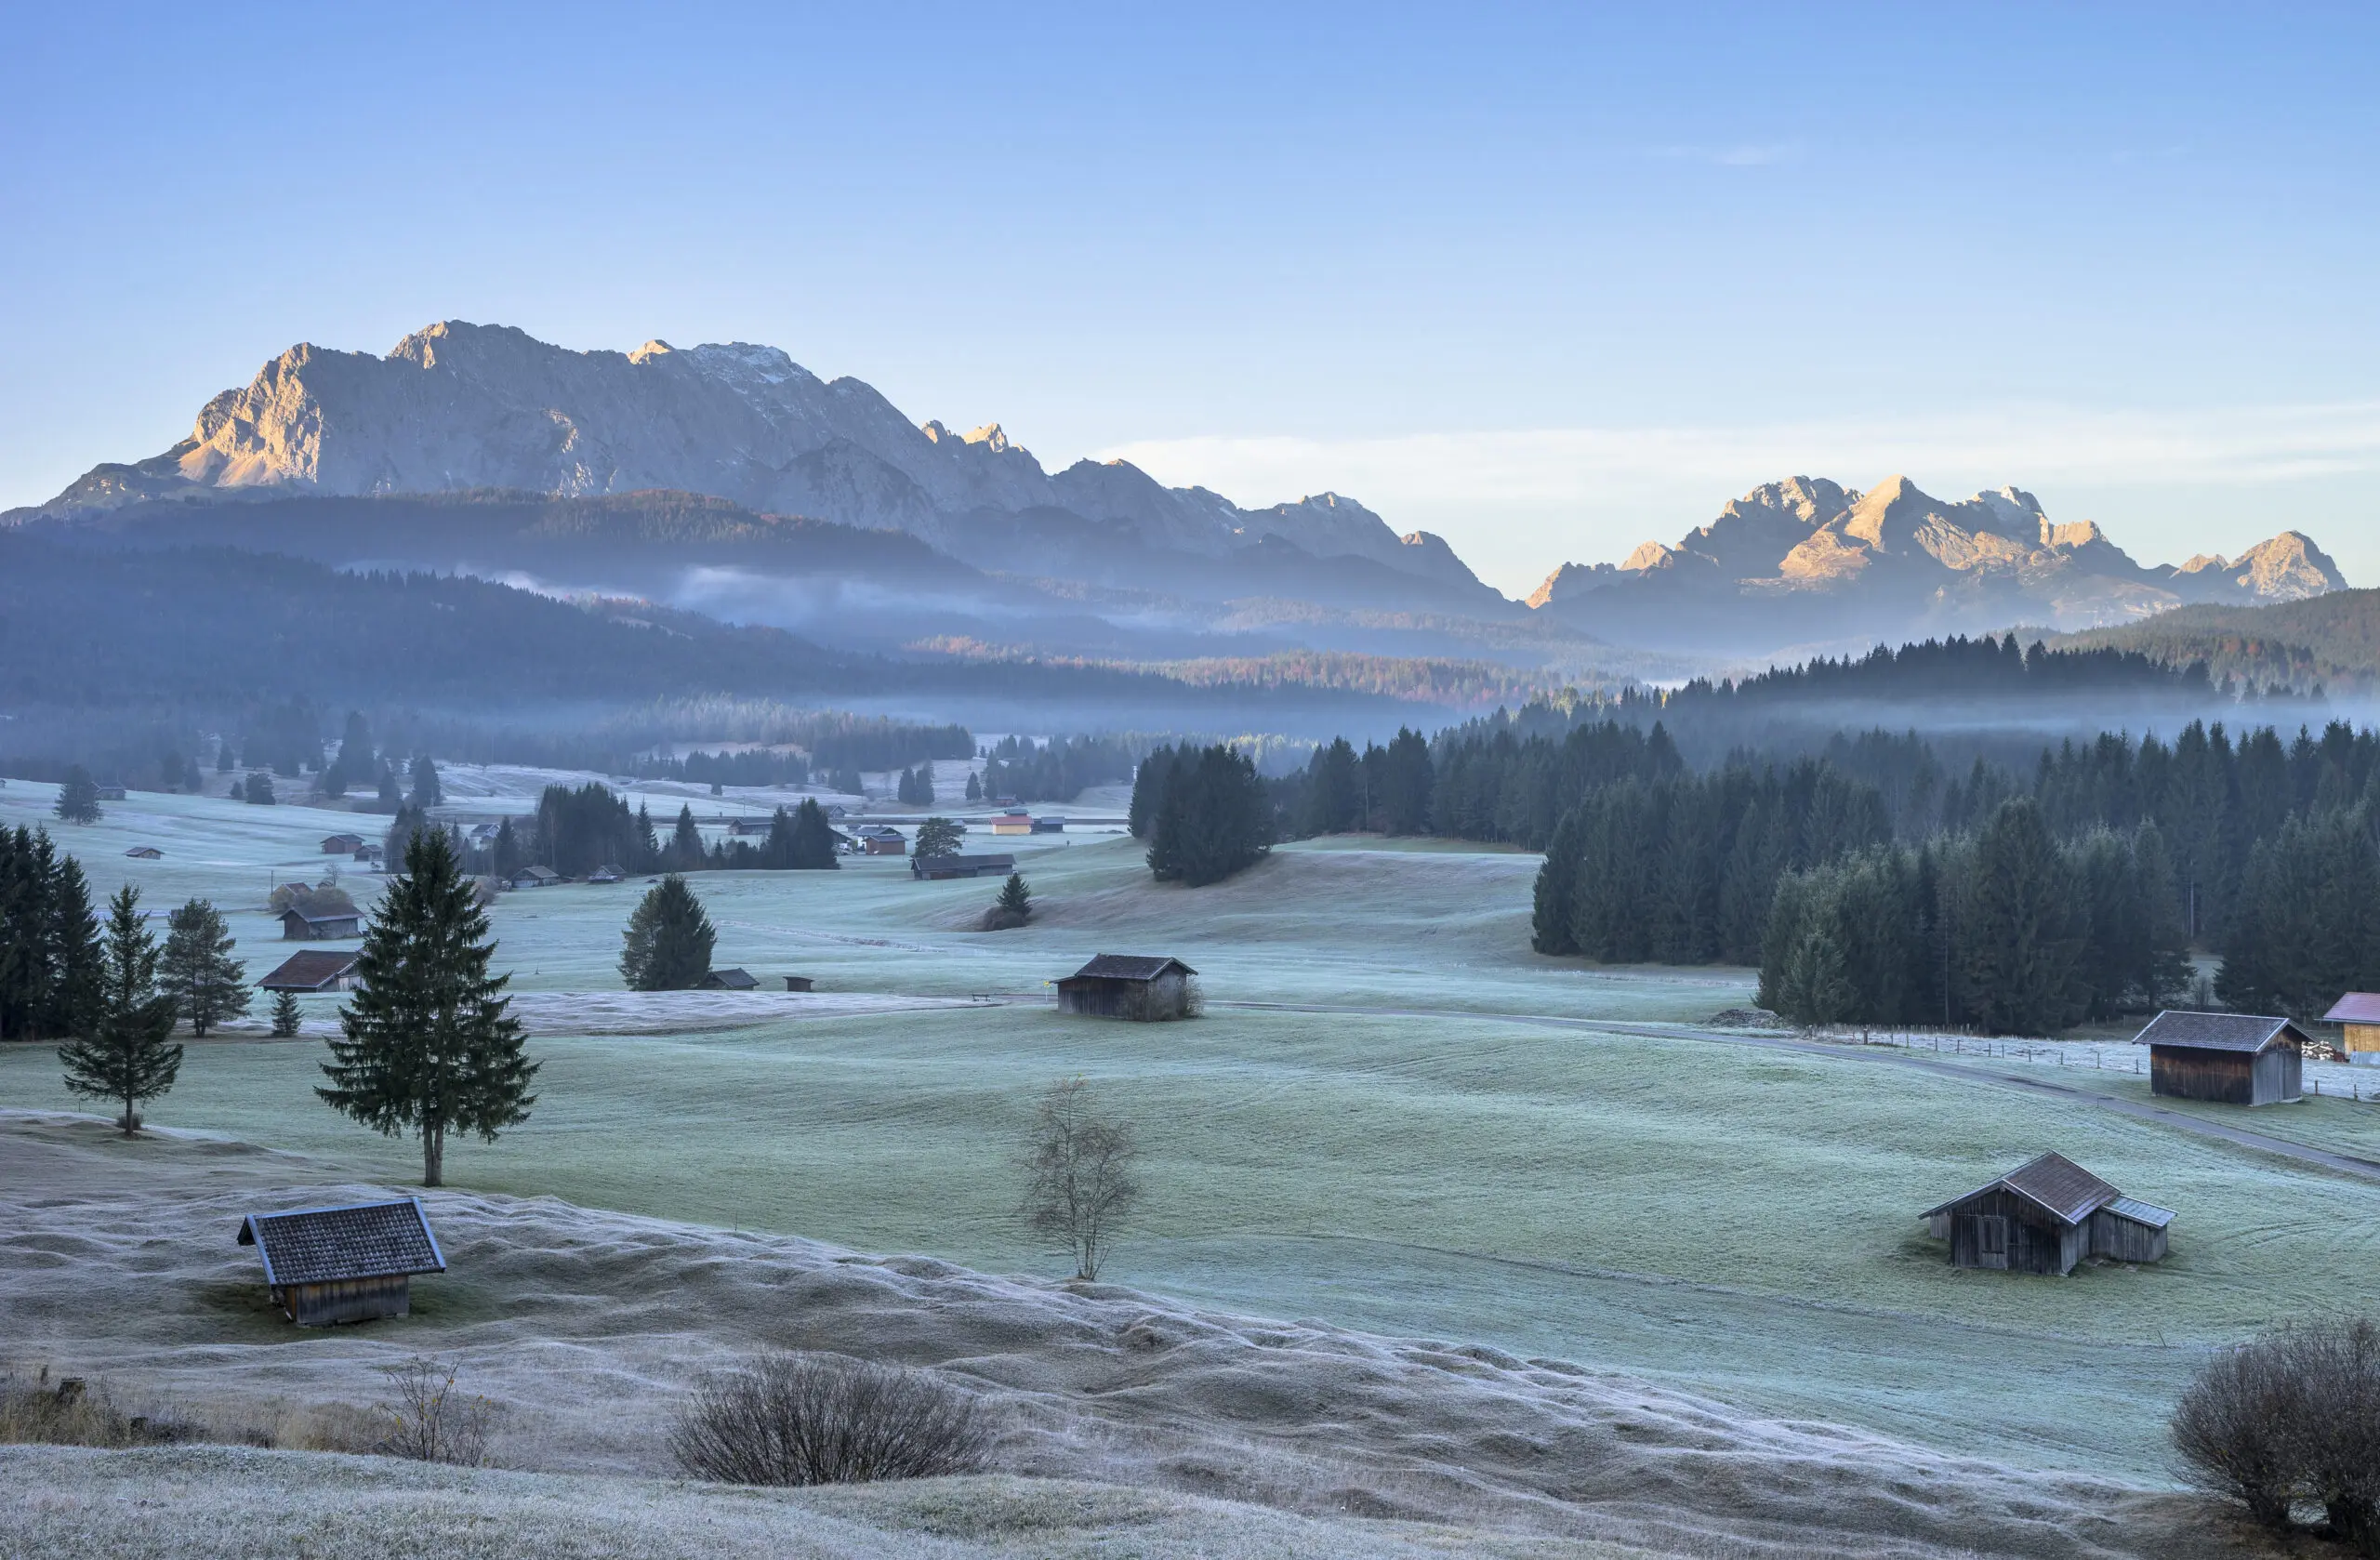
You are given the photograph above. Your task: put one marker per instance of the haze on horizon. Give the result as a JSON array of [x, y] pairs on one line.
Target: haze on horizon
[[1547, 283]]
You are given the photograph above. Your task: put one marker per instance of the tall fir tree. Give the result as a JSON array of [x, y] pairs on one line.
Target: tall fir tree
[[685, 842], [197, 970], [78, 797], [811, 846], [2025, 930], [427, 1044], [668, 941], [1213, 818], [287, 1019], [127, 1054]]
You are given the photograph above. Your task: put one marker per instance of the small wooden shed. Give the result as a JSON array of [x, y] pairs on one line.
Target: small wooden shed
[[2233, 1059], [319, 925], [2357, 1014], [341, 844], [939, 868], [2044, 1216], [1129, 985], [729, 980], [799, 982], [146, 852], [314, 970], [350, 1263]]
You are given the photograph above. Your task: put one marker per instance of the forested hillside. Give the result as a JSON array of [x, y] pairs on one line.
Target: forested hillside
[[2332, 640]]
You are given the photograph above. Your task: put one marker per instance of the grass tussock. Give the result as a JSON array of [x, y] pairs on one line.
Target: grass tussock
[[799, 1419], [77, 1411]]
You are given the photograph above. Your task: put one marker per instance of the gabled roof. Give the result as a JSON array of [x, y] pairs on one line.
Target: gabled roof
[[146, 852], [352, 840], [318, 914], [2218, 1031], [1128, 967], [310, 971], [2051, 1182], [730, 979], [2356, 1007], [357, 1240]]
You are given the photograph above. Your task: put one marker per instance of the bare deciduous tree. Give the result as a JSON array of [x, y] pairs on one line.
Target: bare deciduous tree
[[826, 1418], [2291, 1418], [1080, 1165]]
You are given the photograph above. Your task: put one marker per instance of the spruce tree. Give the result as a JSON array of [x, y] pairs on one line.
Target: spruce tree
[[426, 1045], [668, 941], [259, 789], [73, 960], [126, 1053], [1214, 817], [813, 845], [975, 787], [1814, 991], [223, 755], [685, 842], [2024, 931], [426, 791], [78, 798], [286, 1016], [197, 970], [1013, 908]]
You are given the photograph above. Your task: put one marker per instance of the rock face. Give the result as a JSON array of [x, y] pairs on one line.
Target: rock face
[[1807, 559], [461, 406]]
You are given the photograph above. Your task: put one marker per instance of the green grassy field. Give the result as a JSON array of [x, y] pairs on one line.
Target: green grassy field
[[1740, 1220]]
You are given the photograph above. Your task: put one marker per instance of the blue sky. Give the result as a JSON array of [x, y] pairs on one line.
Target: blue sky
[[1548, 281]]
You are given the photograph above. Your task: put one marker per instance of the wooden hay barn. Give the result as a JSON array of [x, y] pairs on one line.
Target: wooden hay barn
[[314, 926], [939, 868], [729, 980], [146, 852], [342, 844], [1129, 985], [2233, 1059], [2358, 1013], [352, 1263], [313, 970], [799, 982], [2047, 1215]]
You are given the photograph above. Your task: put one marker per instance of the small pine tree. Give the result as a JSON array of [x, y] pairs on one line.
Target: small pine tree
[[128, 1054], [975, 787], [426, 1045], [668, 941], [197, 970], [286, 1016], [223, 755], [1015, 898], [260, 790], [192, 780], [78, 798]]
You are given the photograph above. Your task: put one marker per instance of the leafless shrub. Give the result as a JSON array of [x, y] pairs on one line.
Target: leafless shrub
[[801, 1419], [429, 1419], [1079, 1166], [2234, 1426], [2293, 1417]]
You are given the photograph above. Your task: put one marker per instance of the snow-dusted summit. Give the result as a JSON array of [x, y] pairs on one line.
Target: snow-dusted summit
[[461, 406]]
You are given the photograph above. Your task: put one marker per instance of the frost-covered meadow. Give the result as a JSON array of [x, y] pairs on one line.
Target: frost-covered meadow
[[1732, 1220]]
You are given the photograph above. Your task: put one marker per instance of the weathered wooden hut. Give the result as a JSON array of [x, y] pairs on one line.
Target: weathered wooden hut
[[2047, 1215], [939, 868], [352, 1263], [341, 844], [1129, 985], [799, 982], [2234, 1059], [315, 969], [2357, 1014], [315, 924], [535, 878], [729, 980], [146, 852]]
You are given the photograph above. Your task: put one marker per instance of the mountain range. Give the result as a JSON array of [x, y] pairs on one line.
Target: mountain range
[[480, 448], [1812, 560]]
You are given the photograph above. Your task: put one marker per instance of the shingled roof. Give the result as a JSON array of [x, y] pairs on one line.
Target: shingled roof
[[359, 1240], [2218, 1031], [1128, 967], [316, 969], [2054, 1182]]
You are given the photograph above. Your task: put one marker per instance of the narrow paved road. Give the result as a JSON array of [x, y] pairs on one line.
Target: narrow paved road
[[2345, 1164]]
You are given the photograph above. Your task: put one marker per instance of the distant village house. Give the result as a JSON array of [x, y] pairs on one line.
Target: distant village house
[[880, 839], [2357, 1014], [319, 924], [2234, 1059], [1013, 822], [2043, 1216]]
